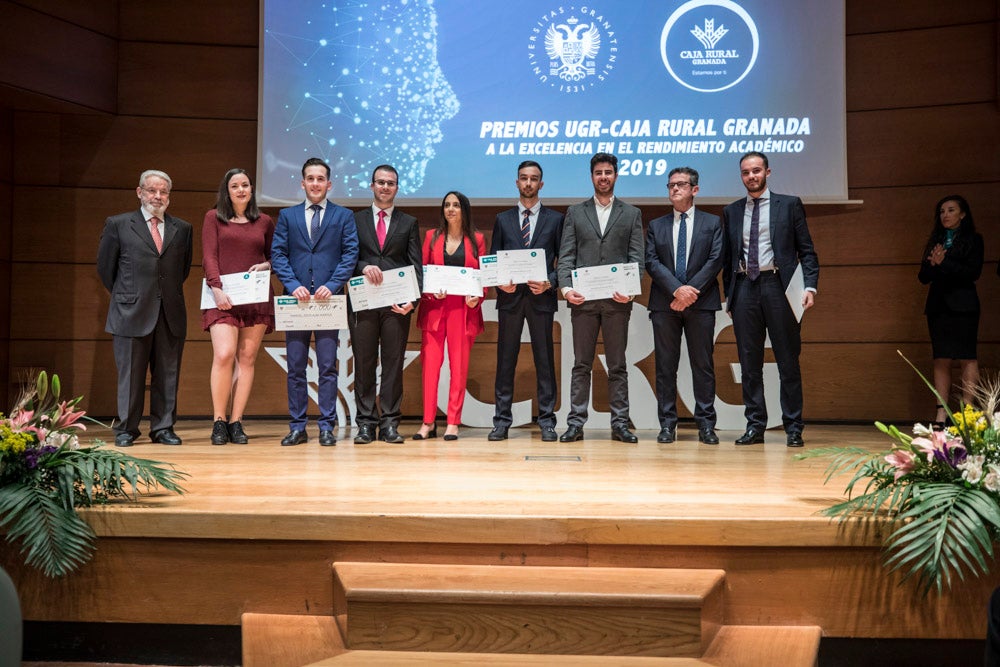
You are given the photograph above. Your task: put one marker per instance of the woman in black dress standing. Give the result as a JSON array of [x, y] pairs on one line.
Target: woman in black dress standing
[[953, 261]]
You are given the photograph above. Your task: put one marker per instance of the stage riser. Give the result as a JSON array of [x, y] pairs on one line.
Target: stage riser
[[844, 590]]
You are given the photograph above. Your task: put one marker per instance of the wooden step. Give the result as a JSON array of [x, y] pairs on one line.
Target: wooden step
[[287, 640], [734, 646], [514, 609]]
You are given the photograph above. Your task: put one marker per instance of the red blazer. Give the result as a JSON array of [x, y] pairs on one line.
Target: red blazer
[[431, 308]]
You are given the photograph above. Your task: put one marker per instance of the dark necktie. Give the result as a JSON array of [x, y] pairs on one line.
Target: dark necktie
[[314, 224], [753, 252], [526, 228], [680, 261]]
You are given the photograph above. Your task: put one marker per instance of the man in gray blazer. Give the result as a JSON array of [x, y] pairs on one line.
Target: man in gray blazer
[[683, 257], [143, 259], [601, 230]]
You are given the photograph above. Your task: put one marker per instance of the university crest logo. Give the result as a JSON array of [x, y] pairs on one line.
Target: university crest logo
[[572, 49]]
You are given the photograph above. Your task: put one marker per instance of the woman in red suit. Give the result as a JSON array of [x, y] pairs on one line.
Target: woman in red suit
[[453, 318]]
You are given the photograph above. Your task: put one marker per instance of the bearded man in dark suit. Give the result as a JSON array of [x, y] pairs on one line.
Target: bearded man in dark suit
[[143, 259]]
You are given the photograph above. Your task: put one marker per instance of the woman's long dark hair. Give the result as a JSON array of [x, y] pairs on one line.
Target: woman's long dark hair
[[468, 228], [966, 229], [224, 210]]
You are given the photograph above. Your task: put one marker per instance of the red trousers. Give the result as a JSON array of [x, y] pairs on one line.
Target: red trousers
[[432, 344]]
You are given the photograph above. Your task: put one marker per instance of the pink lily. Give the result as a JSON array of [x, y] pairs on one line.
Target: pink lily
[[68, 418], [902, 460]]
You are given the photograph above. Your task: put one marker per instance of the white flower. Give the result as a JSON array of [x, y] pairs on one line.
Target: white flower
[[921, 430], [992, 480], [972, 468]]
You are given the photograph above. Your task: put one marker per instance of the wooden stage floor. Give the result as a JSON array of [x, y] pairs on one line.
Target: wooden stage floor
[[471, 490], [261, 525]]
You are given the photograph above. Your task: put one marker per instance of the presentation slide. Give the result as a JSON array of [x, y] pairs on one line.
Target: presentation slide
[[456, 93]]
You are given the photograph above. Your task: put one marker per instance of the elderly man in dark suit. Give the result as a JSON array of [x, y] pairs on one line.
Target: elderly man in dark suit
[[143, 259], [527, 225], [766, 239], [684, 258], [601, 230], [387, 239], [313, 253]]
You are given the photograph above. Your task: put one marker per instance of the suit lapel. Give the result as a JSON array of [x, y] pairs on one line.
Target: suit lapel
[[590, 210], [669, 227], [367, 238], [395, 222], [300, 222], [142, 230], [169, 230]]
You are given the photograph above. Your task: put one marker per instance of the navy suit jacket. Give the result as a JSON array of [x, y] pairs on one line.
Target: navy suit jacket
[[547, 236], [790, 242], [141, 279], [703, 264], [328, 260]]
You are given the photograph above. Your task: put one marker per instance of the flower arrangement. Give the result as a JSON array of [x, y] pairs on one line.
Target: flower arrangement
[[940, 490], [45, 475]]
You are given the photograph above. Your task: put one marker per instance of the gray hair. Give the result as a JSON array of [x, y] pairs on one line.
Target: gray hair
[[155, 173]]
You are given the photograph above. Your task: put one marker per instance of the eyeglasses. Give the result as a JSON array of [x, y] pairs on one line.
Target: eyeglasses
[[678, 184], [152, 192], [385, 184]]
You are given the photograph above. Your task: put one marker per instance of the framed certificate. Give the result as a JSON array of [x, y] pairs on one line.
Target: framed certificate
[[488, 271], [311, 315], [241, 288], [398, 286], [520, 266]]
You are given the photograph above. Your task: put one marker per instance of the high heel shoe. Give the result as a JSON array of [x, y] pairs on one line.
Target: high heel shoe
[[450, 437], [433, 433]]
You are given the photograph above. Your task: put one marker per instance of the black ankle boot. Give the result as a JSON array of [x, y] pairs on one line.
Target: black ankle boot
[[220, 434]]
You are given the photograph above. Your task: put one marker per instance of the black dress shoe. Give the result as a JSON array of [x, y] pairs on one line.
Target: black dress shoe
[[433, 433], [497, 434], [165, 436], [220, 432], [707, 436], [795, 439], [666, 435], [295, 437], [622, 434], [751, 437], [124, 440], [237, 435], [365, 435], [391, 435], [549, 434], [572, 434], [327, 438]]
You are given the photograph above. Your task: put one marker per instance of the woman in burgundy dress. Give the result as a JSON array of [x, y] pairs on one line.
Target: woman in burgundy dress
[[236, 238]]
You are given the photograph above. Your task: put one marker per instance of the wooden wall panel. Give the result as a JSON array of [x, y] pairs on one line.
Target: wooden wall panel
[[886, 15], [187, 81], [880, 63], [109, 152], [893, 224], [100, 16], [924, 146], [227, 22], [44, 54]]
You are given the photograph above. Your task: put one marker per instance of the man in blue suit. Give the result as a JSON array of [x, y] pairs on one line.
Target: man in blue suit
[[314, 251], [766, 239], [684, 257], [527, 225]]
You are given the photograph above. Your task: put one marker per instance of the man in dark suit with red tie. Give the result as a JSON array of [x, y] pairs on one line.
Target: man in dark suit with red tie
[[683, 257], [143, 259], [387, 239], [313, 253], [766, 239], [527, 225]]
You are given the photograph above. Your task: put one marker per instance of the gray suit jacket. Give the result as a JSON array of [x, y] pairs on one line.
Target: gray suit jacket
[[584, 245], [139, 279]]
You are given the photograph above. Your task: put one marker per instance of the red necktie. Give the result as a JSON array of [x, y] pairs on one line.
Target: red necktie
[[154, 228], [380, 229]]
